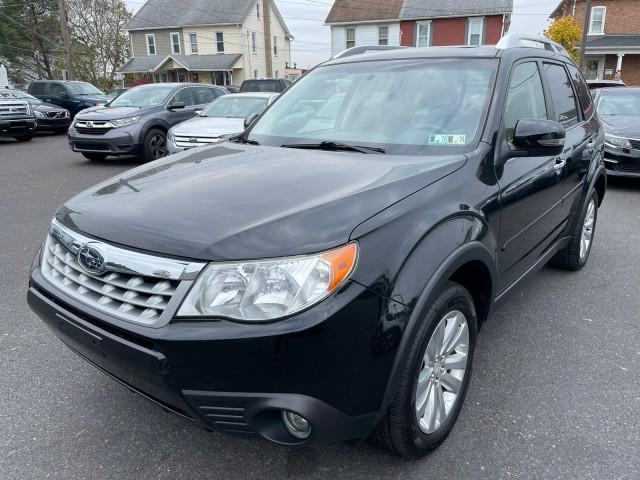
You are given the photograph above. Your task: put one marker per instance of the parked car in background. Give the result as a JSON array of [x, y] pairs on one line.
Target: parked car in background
[[313, 285], [73, 96], [232, 88], [49, 117], [116, 92], [619, 109], [17, 119], [595, 84], [275, 85], [222, 119], [137, 122]]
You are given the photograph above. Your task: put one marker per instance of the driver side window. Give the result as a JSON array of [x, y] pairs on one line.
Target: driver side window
[[57, 90], [183, 96], [525, 97]]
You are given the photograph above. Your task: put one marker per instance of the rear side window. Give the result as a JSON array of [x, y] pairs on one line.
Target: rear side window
[[564, 99], [202, 95], [525, 98], [584, 94], [183, 96], [37, 88]]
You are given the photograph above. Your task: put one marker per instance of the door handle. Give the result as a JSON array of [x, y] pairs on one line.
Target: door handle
[[559, 165]]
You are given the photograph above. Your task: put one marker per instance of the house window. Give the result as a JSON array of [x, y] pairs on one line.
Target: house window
[[255, 74], [351, 37], [254, 44], [598, 15], [383, 35], [423, 34], [193, 40], [151, 44], [258, 9], [175, 42], [275, 46], [220, 41], [476, 27]]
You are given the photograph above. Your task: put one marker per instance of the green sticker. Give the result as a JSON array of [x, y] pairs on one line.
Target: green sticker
[[446, 139]]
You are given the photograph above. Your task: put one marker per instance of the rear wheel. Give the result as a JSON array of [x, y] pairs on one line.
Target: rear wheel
[[155, 145], [576, 254], [434, 378], [24, 138], [96, 157]]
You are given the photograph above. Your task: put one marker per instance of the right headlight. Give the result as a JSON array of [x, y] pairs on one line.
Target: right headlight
[[617, 142], [263, 290]]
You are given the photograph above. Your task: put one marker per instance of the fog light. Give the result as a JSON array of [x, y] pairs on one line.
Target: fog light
[[297, 425]]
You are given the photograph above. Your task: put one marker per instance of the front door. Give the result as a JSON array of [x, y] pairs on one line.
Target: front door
[[530, 187], [594, 68]]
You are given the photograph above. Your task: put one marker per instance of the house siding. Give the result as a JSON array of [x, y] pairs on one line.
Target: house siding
[[407, 33], [451, 31], [494, 31], [448, 31], [163, 41], [207, 43], [623, 16], [366, 34]]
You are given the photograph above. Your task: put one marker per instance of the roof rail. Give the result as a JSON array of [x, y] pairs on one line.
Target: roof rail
[[350, 52], [514, 40]]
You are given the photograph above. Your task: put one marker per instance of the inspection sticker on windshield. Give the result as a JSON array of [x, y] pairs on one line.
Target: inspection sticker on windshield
[[447, 139]]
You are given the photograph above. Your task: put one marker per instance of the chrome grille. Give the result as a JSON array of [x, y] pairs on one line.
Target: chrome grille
[[56, 114], [13, 109], [89, 127], [184, 141], [128, 294]]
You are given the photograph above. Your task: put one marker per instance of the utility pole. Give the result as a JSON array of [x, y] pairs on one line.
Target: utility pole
[[66, 40], [585, 31]]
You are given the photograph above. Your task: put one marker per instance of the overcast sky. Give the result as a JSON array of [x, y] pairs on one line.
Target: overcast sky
[[312, 43]]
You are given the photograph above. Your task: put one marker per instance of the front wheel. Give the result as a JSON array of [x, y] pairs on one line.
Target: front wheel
[[155, 145], [576, 254], [434, 377], [24, 138]]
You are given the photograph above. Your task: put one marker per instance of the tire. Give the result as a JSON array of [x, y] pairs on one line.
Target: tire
[[400, 430], [576, 254], [95, 157], [155, 145], [24, 138]]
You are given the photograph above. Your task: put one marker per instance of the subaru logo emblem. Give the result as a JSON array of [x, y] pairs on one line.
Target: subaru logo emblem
[[91, 260]]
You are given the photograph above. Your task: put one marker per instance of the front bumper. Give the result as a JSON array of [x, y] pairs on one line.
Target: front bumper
[[117, 141], [53, 123], [622, 162], [322, 364], [22, 126]]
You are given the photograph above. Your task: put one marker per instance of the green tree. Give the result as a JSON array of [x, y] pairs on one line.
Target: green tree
[[566, 32]]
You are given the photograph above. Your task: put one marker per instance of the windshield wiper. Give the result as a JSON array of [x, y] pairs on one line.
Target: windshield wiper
[[336, 146], [241, 139]]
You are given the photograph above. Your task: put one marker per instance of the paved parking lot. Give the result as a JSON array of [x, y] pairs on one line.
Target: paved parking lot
[[555, 392]]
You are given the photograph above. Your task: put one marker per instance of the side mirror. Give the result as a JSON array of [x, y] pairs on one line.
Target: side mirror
[[250, 119], [63, 95], [176, 105], [198, 111], [538, 137]]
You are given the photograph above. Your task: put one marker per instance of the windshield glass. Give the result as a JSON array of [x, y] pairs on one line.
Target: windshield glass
[[234, 107], [83, 88], [627, 104], [403, 106], [142, 97]]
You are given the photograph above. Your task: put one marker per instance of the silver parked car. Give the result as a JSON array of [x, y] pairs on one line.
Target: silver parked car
[[221, 119]]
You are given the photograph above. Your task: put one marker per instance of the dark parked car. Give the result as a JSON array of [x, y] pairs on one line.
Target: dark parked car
[[72, 96], [17, 119], [137, 122], [619, 109], [274, 85], [596, 84], [319, 284], [48, 116]]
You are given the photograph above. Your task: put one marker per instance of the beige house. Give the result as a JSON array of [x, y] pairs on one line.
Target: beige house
[[220, 42]]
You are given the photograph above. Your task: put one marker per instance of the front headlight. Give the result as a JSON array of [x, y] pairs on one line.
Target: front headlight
[[262, 290], [39, 114], [617, 142], [124, 122]]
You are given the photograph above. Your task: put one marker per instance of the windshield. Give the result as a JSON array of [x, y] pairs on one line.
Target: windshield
[[83, 88], [142, 97], [627, 104], [235, 107], [403, 106]]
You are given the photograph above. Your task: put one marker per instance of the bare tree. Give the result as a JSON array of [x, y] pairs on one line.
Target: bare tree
[[100, 44]]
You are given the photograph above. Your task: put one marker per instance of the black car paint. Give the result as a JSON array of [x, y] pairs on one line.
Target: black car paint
[[72, 102], [129, 140], [484, 219]]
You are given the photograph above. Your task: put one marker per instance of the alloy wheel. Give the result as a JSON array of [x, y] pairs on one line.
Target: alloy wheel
[[587, 229], [158, 146], [444, 366]]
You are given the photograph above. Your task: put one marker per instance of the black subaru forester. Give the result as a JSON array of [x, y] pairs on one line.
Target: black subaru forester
[[323, 276]]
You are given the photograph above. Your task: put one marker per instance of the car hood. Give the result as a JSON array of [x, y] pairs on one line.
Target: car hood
[[209, 126], [234, 202], [47, 107], [112, 113], [627, 126]]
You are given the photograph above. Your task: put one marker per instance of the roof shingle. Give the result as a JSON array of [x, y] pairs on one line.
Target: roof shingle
[[364, 10]]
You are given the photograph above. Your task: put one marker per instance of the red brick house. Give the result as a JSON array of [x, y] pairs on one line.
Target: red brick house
[[417, 23], [613, 42]]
